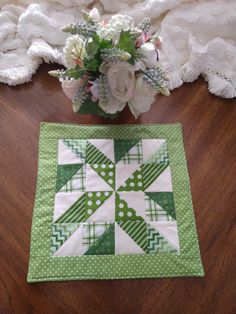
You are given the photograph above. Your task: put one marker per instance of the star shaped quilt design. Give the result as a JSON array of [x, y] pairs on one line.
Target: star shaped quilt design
[[113, 197]]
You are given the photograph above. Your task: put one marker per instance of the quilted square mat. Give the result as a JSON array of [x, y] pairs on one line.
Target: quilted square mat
[[112, 202]]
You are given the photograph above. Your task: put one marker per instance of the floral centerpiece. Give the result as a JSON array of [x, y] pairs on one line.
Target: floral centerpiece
[[111, 64]]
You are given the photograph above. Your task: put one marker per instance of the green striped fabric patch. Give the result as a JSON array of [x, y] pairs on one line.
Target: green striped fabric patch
[[112, 202]]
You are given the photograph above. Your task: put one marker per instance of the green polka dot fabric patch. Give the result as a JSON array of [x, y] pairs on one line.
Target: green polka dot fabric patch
[[112, 202]]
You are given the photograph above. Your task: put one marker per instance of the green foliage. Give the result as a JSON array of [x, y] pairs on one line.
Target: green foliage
[[69, 29], [90, 107], [92, 65], [105, 43], [75, 73], [126, 43], [92, 46]]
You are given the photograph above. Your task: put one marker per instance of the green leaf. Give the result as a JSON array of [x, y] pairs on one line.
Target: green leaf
[[93, 49], [92, 64], [105, 44], [92, 46], [75, 73], [126, 42], [90, 107], [69, 28]]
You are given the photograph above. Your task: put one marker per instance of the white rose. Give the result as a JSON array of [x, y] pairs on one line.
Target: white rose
[[144, 96], [149, 55], [121, 82], [70, 87]]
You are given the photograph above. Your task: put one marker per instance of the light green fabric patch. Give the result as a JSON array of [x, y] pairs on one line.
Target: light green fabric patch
[[93, 236], [124, 212], [77, 146], [93, 201], [106, 172], [133, 183], [157, 243], [60, 233], [160, 156], [150, 210]]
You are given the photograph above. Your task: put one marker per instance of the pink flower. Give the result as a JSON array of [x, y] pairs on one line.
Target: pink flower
[[143, 38], [157, 42]]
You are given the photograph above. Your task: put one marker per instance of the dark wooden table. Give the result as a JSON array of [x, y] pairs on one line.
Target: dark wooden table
[[209, 126]]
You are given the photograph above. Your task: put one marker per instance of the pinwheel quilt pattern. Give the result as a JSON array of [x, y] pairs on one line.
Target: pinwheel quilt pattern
[[113, 197]]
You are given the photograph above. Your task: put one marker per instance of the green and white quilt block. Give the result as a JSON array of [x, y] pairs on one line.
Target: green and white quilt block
[[111, 194], [126, 185]]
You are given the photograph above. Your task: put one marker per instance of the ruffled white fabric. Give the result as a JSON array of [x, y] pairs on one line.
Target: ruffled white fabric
[[199, 37]]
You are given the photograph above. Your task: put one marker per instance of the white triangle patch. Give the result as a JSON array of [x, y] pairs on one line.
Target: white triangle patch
[[168, 230], [105, 146], [132, 152], [123, 172], [73, 245], [136, 201], [124, 244], [66, 156], [63, 201], [163, 183], [106, 212], [150, 146], [74, 183], [94, 182]]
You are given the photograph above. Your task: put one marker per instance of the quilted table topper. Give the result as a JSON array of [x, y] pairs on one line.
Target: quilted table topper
[[112, 202]]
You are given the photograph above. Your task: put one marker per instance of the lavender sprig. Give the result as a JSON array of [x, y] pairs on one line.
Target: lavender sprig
[[156, 78]]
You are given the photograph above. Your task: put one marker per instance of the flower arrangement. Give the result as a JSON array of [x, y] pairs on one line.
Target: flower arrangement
[[111, 64]]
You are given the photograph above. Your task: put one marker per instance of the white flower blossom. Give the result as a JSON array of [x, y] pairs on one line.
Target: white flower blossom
[[144, 96], [113, 28], [74, 51], [149, 55]]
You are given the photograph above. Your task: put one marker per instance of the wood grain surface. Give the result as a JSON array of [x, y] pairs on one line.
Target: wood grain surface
[[209, 127]]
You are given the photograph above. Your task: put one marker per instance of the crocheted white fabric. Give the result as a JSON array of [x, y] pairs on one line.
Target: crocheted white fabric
[[199, 37]]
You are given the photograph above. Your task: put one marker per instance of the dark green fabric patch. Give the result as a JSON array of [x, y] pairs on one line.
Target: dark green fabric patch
[[105, 245], [65, 173], [122, 147], [165, 200]]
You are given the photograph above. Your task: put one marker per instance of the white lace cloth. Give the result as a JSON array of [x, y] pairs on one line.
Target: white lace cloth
[[199, 37]]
